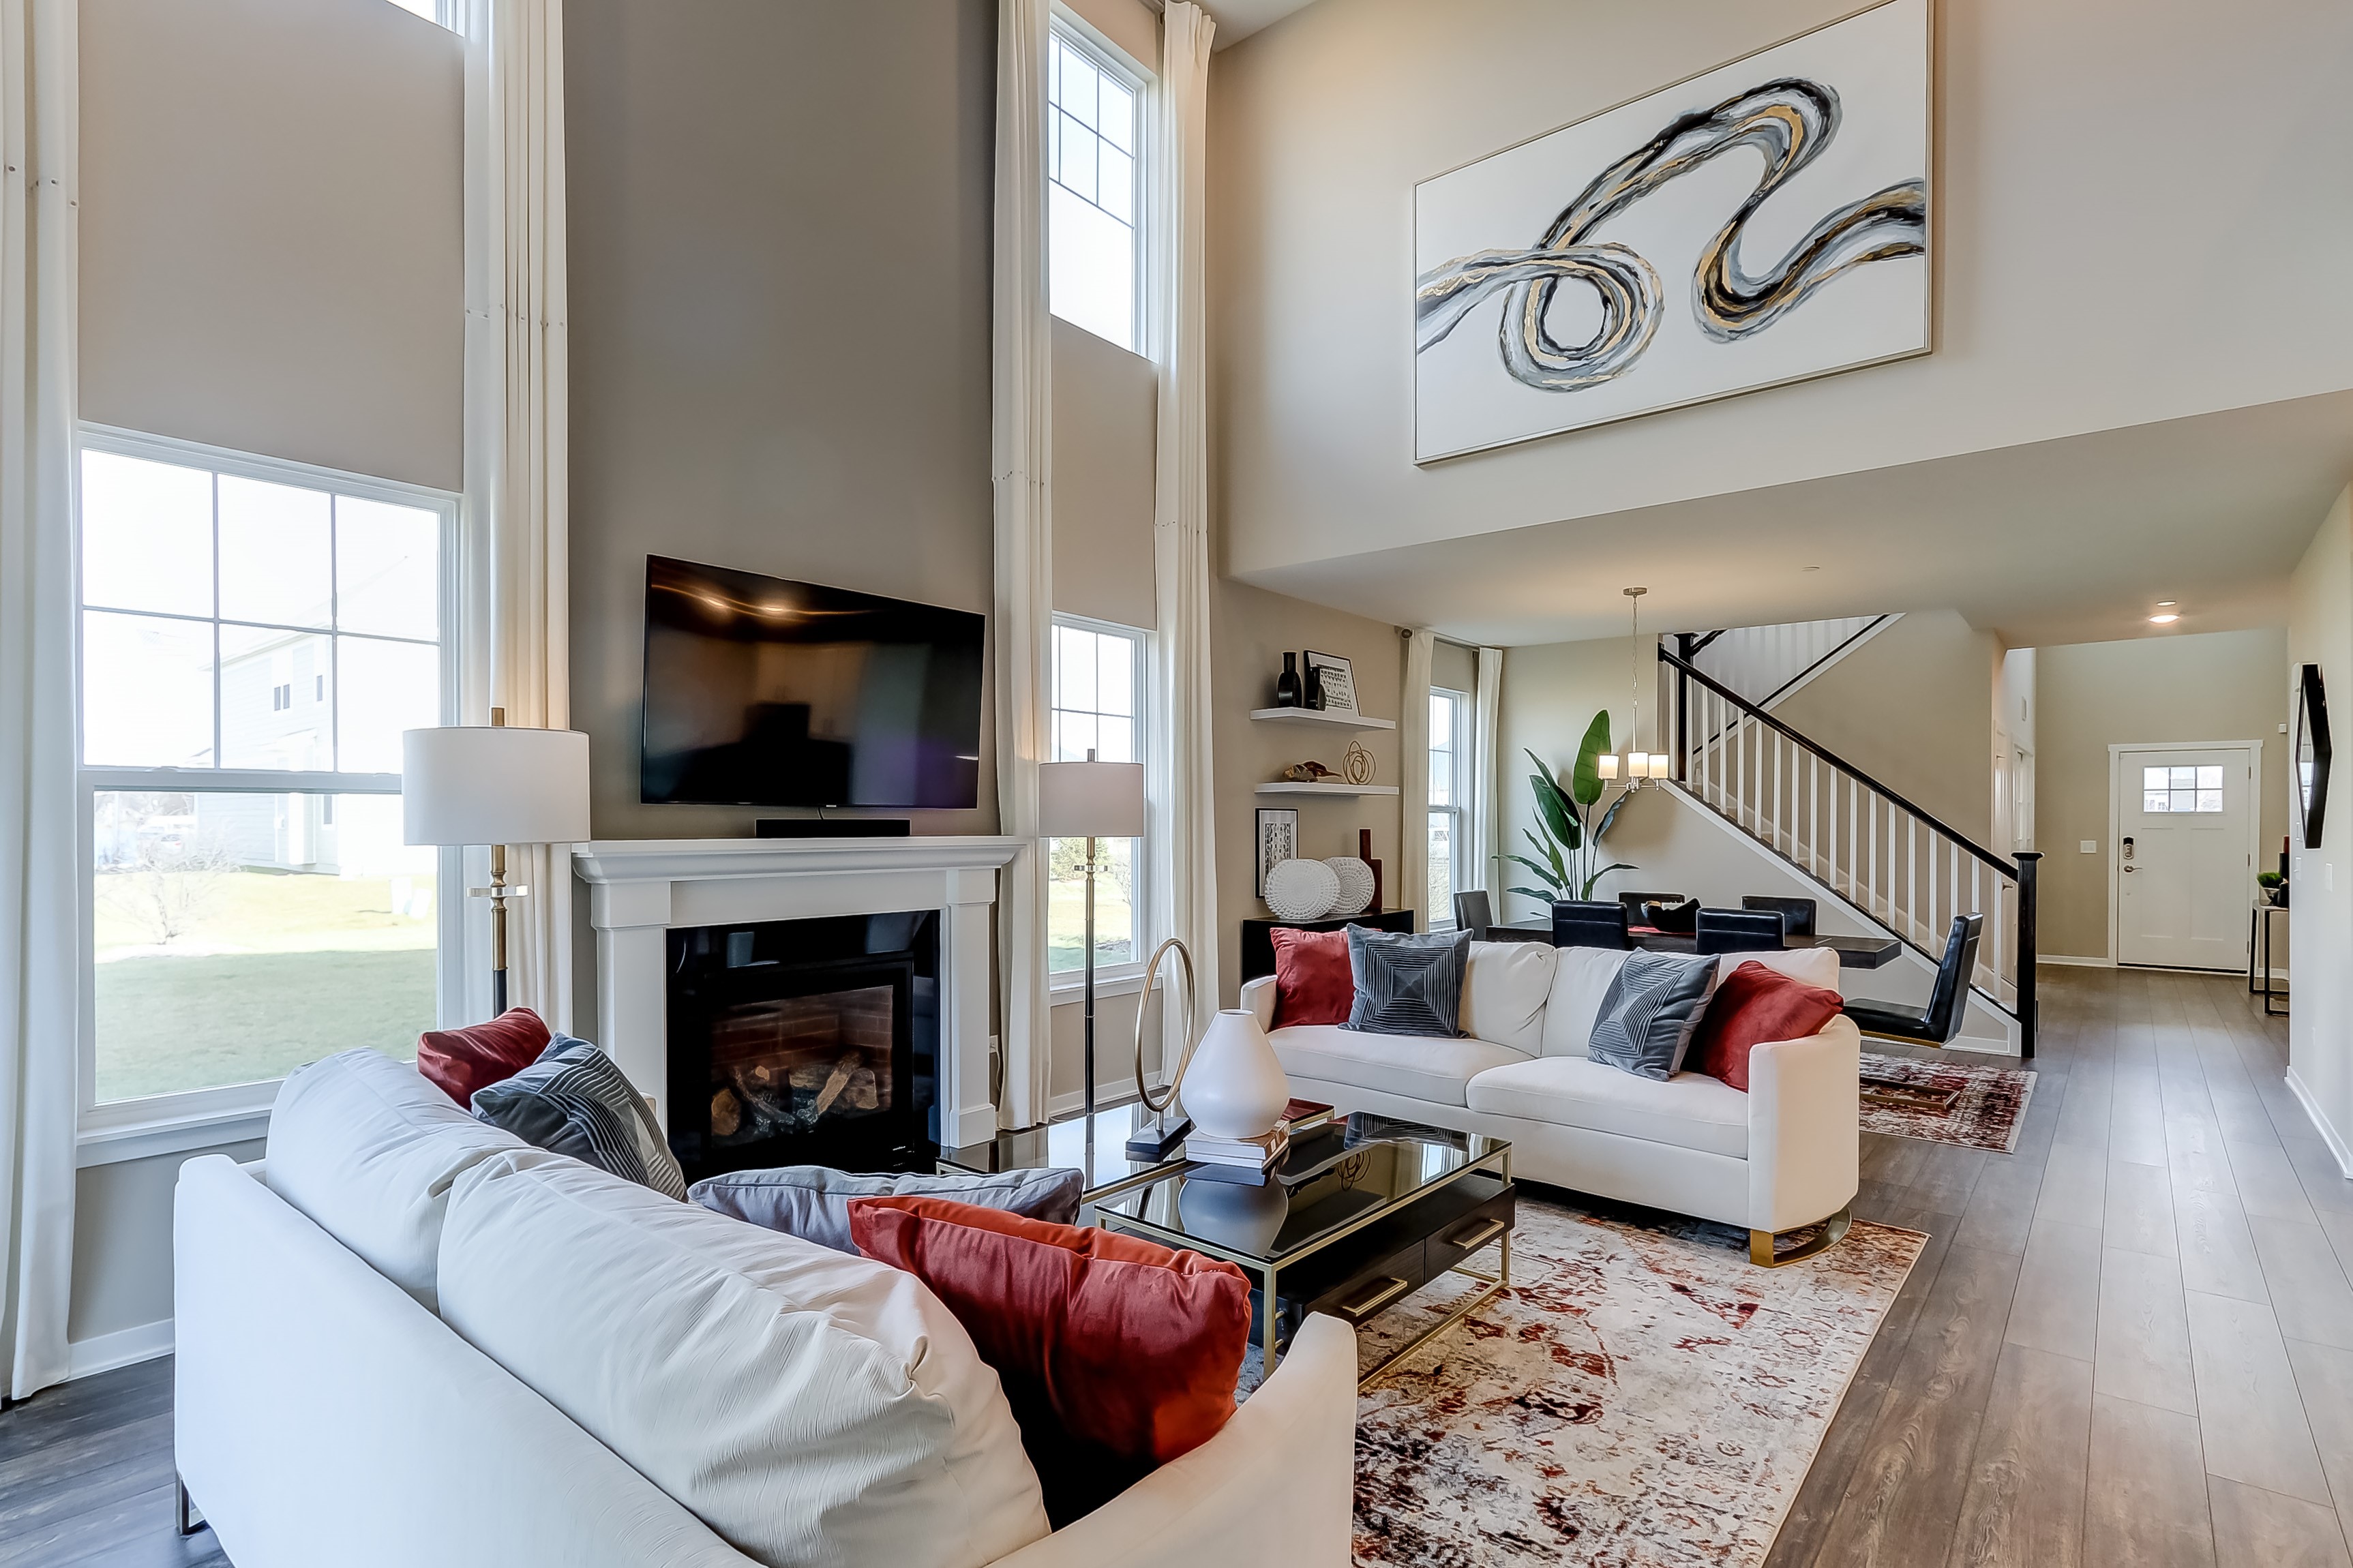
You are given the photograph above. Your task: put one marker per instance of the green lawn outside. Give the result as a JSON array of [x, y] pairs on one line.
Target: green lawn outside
[[171, 1024]]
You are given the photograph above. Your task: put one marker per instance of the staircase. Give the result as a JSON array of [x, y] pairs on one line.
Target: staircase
[[1764, 664], [1852, 837]]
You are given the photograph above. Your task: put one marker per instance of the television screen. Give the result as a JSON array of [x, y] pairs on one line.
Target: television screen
[[761, 691]]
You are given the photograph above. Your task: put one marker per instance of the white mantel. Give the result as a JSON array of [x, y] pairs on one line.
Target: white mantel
[[640, 889]]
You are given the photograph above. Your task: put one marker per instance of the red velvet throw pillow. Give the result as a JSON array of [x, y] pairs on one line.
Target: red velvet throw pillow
[[460, 1061], [1117, 1355], [1754, 1005], [1312, 981]]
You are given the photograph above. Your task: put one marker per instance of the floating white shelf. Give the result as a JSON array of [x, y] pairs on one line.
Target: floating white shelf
[[1287, 787], [1318, 716]]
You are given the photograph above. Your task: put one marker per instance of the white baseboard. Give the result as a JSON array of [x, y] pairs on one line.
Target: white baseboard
[[2076, 963], [2320, 1124], [104, 1352]]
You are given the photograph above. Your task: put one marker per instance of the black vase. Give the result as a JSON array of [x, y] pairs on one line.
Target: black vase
[[1286, 685], [1315, 685]]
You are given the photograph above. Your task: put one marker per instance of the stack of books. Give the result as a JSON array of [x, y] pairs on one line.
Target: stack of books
[[1248, 1160]]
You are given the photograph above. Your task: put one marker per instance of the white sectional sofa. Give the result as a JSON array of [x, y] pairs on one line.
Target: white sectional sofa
[[329, 1409], [1780, 1157]]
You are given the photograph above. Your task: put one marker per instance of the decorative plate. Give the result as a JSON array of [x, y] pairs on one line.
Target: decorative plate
[[1303, 890], [1355, 884]]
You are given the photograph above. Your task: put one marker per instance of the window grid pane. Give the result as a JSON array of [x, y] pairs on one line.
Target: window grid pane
[[1090, 146]]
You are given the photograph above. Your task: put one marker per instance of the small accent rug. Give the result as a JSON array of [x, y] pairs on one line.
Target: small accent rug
[[1641, 1395], [1945, 1101]]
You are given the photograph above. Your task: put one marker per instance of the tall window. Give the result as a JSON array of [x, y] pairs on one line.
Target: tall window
[[1099, 705], [1451, 857], [1092, 190], [255, 636]]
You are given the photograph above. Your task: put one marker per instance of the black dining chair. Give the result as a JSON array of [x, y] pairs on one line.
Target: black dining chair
[[1797, 914], [1940, 1020], [1738, 930], [1475, 912], [1576, 922]]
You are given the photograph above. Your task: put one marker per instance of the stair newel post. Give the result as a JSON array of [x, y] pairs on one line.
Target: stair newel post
[[1683, 721], [2029, 863]]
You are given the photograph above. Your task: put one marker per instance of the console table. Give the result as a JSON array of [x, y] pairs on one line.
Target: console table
[[1258, 946]]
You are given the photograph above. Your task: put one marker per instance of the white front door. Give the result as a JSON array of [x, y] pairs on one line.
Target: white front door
[[2185, 867]]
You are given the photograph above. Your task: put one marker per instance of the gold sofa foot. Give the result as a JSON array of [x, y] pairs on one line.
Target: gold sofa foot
[[1833, 1231]]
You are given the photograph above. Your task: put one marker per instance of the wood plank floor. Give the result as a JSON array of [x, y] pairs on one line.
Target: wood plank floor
[[2128, 1343]]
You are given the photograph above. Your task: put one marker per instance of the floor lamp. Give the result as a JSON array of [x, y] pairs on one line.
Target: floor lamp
[[1090, 800], [496, 785]]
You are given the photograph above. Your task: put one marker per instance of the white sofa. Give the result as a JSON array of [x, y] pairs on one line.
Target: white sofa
[[1780, 1157], [326, 1413]]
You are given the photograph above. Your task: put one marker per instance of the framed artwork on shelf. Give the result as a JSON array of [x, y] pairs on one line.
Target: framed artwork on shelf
[[1277, 841], [1338, 678], [1762, 223]]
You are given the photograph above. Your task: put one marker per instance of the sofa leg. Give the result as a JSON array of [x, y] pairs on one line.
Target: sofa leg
[[184, 1516], [1833, 1231]]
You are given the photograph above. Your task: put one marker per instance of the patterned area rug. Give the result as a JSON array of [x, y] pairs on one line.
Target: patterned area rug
[[1945, 1101], [1642, 1396]]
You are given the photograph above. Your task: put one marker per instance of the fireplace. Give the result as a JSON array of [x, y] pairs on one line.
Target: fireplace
[[807, 1042]]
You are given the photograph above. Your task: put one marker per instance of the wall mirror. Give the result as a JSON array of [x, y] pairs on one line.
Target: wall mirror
[[2312, 751]]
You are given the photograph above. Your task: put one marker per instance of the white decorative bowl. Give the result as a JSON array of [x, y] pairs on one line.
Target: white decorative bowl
[[1355, 884], [1301, 891]]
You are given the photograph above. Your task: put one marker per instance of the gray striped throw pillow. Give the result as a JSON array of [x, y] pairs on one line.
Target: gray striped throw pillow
[[573, 1100], [1649, 1013], [1407, 984]]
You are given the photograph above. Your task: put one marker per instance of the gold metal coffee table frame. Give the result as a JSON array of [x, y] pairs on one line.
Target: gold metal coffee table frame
[[1380, 1293]]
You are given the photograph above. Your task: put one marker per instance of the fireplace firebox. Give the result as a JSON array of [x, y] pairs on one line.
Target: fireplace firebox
[[811, 1042]]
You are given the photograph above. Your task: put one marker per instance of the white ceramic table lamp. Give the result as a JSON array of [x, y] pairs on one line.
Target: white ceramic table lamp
[[1090, 800], [496, 785]]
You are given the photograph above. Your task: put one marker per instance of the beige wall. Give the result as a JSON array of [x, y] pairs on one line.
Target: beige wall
[[1323, 125], [1914, 709], [2320, 938], [1550, 692], [1251, 629], [1105, 403], [2220, 686], [270, 230], [780, 219], [1134, 27]]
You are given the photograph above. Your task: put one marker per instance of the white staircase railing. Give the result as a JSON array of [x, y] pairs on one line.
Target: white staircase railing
[[1855, 837], [1764, 664]]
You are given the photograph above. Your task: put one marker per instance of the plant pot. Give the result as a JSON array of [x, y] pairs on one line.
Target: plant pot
[[1233, 1087]]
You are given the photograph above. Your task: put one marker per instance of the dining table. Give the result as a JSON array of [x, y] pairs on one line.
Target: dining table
[[1854, 951]]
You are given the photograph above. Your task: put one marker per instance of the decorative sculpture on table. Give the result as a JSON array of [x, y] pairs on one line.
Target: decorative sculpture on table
[[1309, 771], [1301, 891], [1357, 884]]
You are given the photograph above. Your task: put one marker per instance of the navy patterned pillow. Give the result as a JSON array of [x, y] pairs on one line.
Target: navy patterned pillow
[[573, 1100], [1407, 984], [1649, 1013]]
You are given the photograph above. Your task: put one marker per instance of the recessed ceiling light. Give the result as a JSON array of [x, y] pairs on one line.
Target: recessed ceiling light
[[2163, 618], [2168, 604], [1809, 568]]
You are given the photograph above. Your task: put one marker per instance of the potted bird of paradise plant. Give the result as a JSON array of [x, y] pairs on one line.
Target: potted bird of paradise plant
[[1574, 821]]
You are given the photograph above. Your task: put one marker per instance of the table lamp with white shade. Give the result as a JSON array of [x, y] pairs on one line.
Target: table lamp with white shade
[[494, 784], [1090, 800]]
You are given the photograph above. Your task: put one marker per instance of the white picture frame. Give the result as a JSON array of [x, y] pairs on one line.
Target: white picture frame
[[1627, 263]]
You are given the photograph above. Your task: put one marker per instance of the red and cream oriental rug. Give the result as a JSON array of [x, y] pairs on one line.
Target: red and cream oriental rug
[[1945, 1101], [1642, 1397]]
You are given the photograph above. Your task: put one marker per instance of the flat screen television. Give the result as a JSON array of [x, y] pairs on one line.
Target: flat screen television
[[761, 691]]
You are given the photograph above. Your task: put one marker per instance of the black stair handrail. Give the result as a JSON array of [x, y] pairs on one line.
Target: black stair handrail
[[2006, 868]]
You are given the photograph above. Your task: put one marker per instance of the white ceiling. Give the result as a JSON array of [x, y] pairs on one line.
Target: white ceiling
[[1238, 19], [2060, 542]]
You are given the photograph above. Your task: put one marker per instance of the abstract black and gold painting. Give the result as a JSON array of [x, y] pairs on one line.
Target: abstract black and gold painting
[[1762, 223]]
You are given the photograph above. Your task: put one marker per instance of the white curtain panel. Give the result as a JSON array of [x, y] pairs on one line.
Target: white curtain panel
[[517, 594], [1487, 779], [40, 963], [1184, 879], [1413, 759], [1021, 420]]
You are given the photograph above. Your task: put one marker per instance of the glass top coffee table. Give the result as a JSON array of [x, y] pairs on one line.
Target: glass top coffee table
[[1357, 1218]]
